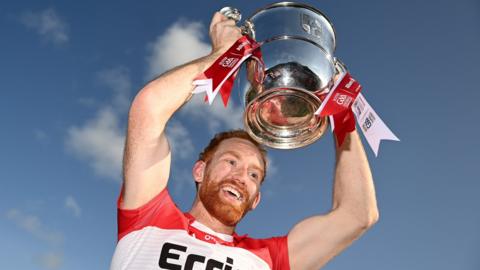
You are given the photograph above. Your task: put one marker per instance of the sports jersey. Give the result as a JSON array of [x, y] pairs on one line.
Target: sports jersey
[[158, 235]]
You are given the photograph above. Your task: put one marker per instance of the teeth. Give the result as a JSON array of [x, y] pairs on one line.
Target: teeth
[[233, 191]]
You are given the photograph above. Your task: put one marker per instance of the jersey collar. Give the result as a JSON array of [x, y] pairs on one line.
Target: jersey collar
[[203, 232]]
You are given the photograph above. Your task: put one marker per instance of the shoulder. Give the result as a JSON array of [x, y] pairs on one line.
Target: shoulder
[[273, 250], [248, 241], [160, 212]]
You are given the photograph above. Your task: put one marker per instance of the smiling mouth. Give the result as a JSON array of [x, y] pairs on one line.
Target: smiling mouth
[[233, 193]]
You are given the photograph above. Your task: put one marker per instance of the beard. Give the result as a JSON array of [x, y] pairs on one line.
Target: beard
[[223, 210]]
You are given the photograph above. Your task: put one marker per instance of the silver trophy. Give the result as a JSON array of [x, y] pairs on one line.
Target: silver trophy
[[282, 94]]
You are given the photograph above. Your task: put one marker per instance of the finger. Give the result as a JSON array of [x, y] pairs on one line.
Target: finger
[[228, 22], [230, 30], [228, 25]]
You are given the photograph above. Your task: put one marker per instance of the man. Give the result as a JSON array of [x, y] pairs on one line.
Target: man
[[155, 234]]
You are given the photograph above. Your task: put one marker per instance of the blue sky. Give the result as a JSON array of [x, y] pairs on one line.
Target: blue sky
[[68, 70]]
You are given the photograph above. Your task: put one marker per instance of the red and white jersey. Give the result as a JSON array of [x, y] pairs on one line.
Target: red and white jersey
[[159, 236]]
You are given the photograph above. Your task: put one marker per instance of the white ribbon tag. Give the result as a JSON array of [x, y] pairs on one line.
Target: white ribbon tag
[[219, 77], [372, 126], [205, 86]]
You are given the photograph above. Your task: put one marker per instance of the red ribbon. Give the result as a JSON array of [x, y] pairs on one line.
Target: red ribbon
[[225, 68], [338, 104]]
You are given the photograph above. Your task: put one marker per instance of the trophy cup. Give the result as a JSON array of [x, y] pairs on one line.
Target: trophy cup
[[282, 92]]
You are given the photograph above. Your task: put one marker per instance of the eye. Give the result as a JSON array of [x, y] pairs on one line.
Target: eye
[[254, 175], [231, 162]]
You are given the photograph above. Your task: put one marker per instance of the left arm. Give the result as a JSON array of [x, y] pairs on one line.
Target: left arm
[[316, 240]]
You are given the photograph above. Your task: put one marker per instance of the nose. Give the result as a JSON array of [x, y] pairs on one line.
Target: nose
[[241, 174]]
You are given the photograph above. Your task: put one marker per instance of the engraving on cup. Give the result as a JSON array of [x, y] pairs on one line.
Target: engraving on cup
[[311, 25]]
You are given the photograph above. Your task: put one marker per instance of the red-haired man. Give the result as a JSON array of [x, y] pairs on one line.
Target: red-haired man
[[154, 234]]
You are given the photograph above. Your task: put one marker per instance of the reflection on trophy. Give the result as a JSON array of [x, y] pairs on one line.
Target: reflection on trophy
[[283, 90]]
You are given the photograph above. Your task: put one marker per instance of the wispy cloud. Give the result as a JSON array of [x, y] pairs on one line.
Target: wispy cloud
[[34, 226], [272, 178], [100, 140], [181, 42], [272, 168], [40, 135], [48, 24], [88, 102], [50, 260], [117, 80], [179, 139], [72, 205]]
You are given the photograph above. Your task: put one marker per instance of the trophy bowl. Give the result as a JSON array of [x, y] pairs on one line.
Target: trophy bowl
[[282, 92]]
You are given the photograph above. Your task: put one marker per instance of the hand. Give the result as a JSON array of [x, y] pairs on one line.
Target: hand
[[223, 33]]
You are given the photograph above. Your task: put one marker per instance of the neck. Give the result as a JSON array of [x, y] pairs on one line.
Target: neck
[[201, 214]]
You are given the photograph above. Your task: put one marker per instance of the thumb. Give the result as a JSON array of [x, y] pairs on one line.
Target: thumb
[[217, 17]]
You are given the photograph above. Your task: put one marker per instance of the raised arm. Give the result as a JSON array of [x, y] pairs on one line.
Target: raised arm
[[316, 240], [146, 163]]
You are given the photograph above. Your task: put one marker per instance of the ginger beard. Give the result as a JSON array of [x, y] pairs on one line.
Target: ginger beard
[[210, 194]]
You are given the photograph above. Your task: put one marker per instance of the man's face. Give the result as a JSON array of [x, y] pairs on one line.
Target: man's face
[[230, 186]]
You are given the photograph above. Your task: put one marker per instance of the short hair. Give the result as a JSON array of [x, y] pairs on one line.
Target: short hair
[[207, 153]]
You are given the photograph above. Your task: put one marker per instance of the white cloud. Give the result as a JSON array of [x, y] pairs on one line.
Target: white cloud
[[50, 260], [100, 141], [33, 225], [179, 139], [47, 24], [72, 205], [182, 42]]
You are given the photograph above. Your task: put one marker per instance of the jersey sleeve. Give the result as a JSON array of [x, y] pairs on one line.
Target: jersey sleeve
[[274, 250], [278, 247], [160, 212]]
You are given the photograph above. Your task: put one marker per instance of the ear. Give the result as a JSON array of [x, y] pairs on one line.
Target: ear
[[256, 200], [198, 171]]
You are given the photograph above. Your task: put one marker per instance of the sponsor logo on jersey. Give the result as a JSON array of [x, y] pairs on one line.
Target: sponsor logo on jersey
[[175, 257]]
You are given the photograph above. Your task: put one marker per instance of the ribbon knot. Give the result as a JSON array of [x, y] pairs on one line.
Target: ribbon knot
[[219, 77], [343, 104]]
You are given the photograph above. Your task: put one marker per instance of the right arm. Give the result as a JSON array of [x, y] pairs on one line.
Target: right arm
[[146, 162]]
